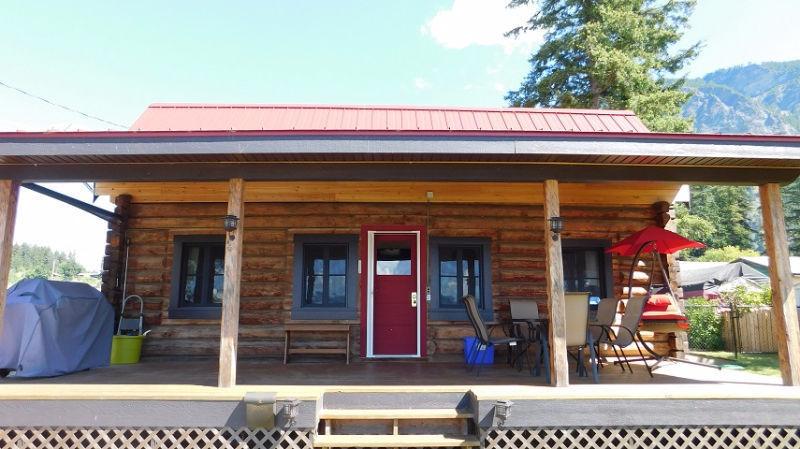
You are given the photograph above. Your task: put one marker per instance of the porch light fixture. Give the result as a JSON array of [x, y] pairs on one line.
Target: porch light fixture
[[502, 410], [556, 226], [287, 411], [230, 223]]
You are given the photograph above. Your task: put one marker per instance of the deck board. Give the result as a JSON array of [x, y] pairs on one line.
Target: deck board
[[196, 380]]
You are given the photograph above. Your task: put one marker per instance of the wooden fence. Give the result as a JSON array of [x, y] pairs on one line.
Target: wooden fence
[[756, 333]]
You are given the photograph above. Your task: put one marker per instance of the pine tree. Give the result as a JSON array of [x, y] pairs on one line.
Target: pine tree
[[609, 54], [791, 209], [729, 209]]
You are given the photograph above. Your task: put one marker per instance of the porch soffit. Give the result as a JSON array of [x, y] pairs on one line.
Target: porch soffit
[[629, 193], [217, 156]]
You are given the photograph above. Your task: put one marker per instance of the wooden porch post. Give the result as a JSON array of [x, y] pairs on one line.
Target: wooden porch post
[[780, 274], [554, 277], [229, 329], [9, 192]]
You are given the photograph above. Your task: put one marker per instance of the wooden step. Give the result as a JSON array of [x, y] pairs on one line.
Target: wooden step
[[395, 441], [445, 413]]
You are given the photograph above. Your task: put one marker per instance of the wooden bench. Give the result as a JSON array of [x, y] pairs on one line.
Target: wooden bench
[[291, 328]]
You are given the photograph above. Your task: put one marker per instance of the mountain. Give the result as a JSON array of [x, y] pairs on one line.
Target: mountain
[[752, 99], [757, 99]]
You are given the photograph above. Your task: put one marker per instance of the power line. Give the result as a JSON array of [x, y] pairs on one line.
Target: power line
[[67, 108]]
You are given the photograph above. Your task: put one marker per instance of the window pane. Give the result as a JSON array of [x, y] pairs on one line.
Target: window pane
[[584, 270], [192, 255], [216, 292], [338, 260], [592, 286], [219, 265], [394, 260], [314, 257], [448, 292], [448, 257], [337, 295], [570, 265], [190, 290], [591, 264], [470, 261], [314, 290]]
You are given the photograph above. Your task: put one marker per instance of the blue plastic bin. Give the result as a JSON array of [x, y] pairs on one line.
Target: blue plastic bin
[[485, 356]]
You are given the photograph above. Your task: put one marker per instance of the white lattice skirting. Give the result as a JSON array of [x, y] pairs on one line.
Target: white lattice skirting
[[550, 438], [645, 438], [153, 438]]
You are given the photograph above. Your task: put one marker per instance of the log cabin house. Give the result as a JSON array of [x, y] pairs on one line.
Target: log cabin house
[[332, 199]]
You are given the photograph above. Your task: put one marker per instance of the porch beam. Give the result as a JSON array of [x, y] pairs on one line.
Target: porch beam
[[9, 194], [229, 329], [780, 274], [554, 277]]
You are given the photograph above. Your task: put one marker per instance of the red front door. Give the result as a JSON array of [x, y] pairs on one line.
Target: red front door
[[396, 299]]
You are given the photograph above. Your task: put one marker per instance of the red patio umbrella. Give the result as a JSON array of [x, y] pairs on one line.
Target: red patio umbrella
[[653, 238]]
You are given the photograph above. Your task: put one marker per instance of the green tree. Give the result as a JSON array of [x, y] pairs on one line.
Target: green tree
[[609, 54], [791, 206], [726, 254], [33, 261], [730, 210]]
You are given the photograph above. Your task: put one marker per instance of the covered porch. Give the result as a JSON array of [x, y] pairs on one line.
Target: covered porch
[[494, 191], [504, 191]]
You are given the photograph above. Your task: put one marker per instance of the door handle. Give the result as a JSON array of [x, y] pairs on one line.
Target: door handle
[[413, 299]]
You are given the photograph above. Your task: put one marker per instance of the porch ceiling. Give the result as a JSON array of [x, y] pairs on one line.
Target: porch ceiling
[[616, 193], [510, 156]]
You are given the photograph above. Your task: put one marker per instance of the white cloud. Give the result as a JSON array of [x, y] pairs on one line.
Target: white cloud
[[481, 22], [421, 83], [500, 87]]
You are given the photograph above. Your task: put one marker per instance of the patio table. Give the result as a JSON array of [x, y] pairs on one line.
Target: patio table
[[537, 333]]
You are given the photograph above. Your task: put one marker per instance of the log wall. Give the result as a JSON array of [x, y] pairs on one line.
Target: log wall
[[266, 291]]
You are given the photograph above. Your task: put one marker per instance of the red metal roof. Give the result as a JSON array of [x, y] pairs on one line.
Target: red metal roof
[[249, 117]]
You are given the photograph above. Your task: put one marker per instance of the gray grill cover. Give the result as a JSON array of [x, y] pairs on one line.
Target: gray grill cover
[[53, 328]]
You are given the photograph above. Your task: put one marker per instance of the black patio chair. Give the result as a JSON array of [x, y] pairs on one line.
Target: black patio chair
[[484, 340]]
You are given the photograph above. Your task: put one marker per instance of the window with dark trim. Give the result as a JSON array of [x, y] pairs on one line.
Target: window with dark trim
[[197, 277], [459, 266], [587, 267], [325, 277]]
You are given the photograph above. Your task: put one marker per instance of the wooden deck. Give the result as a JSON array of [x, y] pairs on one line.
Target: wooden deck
[[196, 380]]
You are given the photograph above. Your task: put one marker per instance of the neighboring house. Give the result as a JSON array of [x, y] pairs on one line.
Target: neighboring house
[[707, 279], [761, 263]]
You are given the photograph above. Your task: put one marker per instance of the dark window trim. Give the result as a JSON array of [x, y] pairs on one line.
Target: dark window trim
[[603, 245], [435, 312], [301, 312], [195, 312]]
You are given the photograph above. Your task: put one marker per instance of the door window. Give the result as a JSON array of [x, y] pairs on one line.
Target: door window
[[393, 259]]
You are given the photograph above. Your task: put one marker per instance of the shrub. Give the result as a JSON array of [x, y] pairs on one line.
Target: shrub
[[748, 298], [705, 325]]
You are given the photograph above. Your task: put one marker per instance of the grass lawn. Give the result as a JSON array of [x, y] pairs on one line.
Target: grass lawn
[[764, 364]]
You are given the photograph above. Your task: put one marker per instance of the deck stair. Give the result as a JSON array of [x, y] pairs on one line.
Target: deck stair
[[396, 420]]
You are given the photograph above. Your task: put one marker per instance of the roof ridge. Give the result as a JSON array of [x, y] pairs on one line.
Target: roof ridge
[[626, 112]]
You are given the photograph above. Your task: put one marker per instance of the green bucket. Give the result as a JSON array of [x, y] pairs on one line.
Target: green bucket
[[126, 349]]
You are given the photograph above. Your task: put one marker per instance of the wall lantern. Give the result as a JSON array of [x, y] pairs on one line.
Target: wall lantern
[[230, 223], [502, 410], [556, 226]]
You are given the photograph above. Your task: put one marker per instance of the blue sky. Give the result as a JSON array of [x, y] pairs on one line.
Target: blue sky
[[112, 59]]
